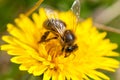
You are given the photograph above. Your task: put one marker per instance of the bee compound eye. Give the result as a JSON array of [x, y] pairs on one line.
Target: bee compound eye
[[70, 49]]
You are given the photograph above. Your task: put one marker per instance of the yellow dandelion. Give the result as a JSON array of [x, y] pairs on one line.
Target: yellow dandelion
[[93, 54]]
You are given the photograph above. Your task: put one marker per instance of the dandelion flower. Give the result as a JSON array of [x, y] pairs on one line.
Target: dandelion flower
[[93, 54]]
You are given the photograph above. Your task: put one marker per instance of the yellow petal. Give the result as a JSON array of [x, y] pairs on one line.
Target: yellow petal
[[47, 75], [25, 24], [100, 74], [23, 59], [39, 70], [87, 24]]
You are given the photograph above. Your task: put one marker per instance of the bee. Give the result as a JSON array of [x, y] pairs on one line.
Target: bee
[[59, 28]]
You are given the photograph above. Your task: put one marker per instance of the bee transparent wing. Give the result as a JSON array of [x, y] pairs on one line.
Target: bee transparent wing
[[76, 10], [51, 14], [53, 17]]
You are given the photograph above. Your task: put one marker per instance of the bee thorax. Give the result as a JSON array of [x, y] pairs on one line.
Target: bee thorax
[[68, 37]]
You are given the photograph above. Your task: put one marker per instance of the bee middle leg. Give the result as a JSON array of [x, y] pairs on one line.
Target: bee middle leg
[[43, 38]]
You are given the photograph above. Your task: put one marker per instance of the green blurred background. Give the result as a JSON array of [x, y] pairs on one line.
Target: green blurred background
[[106, 12]]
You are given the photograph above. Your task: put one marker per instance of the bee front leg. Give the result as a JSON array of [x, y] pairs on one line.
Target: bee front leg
[[63, 48], [43, 38]]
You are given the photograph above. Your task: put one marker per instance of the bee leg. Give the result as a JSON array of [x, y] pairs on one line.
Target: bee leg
[[63, 48], [51, 39], [43, 38]]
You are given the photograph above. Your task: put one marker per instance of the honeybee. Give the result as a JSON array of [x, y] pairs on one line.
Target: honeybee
[[58, 27]]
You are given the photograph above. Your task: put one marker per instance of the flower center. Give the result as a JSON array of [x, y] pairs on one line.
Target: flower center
[[54, 48]]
